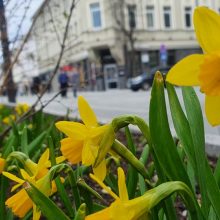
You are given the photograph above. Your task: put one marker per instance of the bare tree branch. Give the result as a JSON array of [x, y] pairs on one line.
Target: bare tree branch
[[32, 109]]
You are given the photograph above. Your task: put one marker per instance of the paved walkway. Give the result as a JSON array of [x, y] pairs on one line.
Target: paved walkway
[[113, 103]]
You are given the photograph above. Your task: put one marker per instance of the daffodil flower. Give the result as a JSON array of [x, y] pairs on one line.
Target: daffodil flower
[[20, 203], [38, 169], [41, 168], [83, 140], [124, 209], [37, 174], [22, 108], [7, 120], [203, 70]]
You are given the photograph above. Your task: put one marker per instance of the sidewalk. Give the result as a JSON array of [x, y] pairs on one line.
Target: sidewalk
[[112, 103]]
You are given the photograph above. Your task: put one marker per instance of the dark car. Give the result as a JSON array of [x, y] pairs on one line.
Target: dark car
[[145, 80]]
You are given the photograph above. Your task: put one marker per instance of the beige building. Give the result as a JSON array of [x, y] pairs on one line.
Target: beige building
[[160, 33]]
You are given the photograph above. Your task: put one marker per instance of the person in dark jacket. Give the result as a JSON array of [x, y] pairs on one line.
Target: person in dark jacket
[[63, 81]]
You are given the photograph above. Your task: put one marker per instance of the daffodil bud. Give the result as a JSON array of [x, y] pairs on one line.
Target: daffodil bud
[[81, 213]]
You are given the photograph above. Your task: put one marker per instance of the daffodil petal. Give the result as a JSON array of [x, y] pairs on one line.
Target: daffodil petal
[[74, 130], [16, 186], [186, 71], [89, 153], [72, 150], [102, 215], [25, 175], [43, 159], [123, 193], [13, 177], [100, 170], [36, 212], [86, 113], [207, 28], [106, 188], [212, 108]]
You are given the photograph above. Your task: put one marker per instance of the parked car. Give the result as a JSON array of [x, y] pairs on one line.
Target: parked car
[[145, 80]]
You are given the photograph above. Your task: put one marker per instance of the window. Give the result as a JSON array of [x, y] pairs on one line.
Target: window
[[188, 14], [96, 15], [167, 16], [150, 16], [132, 16]]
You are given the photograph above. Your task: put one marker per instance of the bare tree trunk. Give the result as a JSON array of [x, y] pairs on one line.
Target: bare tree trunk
[[132, 57], [10, 86]]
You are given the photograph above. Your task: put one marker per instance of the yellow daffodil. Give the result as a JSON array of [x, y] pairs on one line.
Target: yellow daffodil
[[2, 164], [37, 174], [7, 120], [124, 209], [22, 108], [83, 140], [203, 70], [41, 168], [20, 202]]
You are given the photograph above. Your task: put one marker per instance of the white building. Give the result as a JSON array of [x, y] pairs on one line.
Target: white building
[[26, 66], [162, 32]]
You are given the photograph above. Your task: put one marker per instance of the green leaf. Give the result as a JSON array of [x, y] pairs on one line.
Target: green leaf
[[24, 141], [46, 205], [37, 142], [60, 187], [195, 118], [163, 144]]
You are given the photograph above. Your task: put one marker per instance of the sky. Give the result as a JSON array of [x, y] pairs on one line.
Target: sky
[[15, 11]]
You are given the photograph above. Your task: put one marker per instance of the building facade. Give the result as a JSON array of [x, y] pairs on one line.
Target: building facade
[[111, 41]]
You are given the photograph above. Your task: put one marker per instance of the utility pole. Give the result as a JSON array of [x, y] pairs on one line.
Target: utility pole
[[9, 83]]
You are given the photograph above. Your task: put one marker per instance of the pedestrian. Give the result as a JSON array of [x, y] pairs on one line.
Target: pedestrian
[[75, 80], [63, 81]]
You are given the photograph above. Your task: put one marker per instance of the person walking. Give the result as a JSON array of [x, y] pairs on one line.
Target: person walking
[[63, 81]]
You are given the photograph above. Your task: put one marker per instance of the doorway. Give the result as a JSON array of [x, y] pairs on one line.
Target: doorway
[[111, 76]]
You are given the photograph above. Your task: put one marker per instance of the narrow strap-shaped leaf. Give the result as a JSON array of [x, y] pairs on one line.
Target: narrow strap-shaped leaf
[[24, 141], [46, 205], [195, 118], [163, 144], [36, 143], [217, 172], [60, 187], [183, 131]]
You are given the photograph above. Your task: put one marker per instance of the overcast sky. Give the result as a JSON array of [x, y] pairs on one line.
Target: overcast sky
[[15, 10]]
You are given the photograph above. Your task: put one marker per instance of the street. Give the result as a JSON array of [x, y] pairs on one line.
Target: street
[[112, 103]]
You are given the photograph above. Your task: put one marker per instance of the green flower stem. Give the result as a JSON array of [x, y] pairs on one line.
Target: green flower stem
[[63, 194], [81, 182], [132, 177], [120, 149]]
